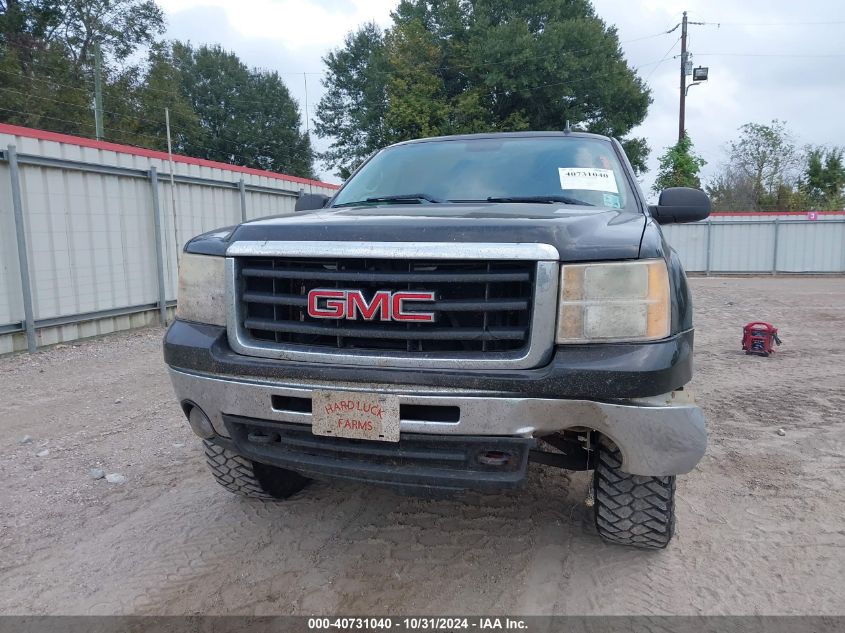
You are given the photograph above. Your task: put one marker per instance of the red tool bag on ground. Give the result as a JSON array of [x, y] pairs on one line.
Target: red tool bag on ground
[[759, 338]]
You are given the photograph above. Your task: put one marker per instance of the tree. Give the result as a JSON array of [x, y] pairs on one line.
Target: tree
[[120, 26], [729, 191], [824, 177], [679, 167], [46, 60], [493, 65], [767, 157], [246, 117], [762, 171], [352, 112], [418, 105]]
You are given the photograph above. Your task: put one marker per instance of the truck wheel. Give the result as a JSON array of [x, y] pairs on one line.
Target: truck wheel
[[251, 479], [631, 509]]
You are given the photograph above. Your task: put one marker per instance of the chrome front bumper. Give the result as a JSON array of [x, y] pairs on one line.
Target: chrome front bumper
[[658, 436]]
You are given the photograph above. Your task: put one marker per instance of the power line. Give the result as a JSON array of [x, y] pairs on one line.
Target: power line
[[80, 123], [663, 59], [194, 146], [819, 23], [229, 140], [241, 142], [586, 77], [770, 54], [439, 70]]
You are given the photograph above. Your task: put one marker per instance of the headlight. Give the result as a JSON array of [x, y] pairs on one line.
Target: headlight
[[202, 289], [626, 301]]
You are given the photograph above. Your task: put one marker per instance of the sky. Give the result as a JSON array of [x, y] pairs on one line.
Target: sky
[[768, 59]]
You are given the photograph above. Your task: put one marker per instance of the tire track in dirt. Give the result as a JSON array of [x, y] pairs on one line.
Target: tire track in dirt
[[759, 531]]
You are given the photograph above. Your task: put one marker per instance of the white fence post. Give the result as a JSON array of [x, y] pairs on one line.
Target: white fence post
[[242, 191], [23, 258], [162, 299], [775, 248]]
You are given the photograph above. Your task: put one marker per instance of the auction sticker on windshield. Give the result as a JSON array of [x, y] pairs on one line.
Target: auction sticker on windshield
[[587, 178], [363, 416]]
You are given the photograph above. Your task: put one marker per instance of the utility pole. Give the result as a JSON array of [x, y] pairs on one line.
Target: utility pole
[[98, 91], [307, 122], [682, 112], [698, 75], [172, 185]]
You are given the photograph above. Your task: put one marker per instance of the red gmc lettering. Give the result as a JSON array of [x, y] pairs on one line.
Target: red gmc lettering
[[355, 302], [333, 305], [385, 305], [399, 299]]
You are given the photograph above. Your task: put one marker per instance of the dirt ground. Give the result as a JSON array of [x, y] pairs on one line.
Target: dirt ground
[[761, 520]]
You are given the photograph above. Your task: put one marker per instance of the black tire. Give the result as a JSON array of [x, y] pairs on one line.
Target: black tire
[[630, 509], [251, 479]]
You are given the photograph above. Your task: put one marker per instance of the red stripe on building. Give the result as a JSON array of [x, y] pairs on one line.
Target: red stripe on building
[[758, 213], [81, 141]]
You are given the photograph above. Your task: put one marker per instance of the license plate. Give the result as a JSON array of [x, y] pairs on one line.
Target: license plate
[[363, 416]]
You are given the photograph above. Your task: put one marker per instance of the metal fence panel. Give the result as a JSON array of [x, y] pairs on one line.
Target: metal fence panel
[[85, 257], [766, 244], [11, 301], [93, 254], [90, 228], [742, 247], [812, 247], [691, 243]]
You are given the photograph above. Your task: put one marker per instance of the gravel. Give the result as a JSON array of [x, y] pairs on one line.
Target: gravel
[[759, 520]]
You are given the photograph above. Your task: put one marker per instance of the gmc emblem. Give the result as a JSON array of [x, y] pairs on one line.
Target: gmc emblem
[[325, 303]]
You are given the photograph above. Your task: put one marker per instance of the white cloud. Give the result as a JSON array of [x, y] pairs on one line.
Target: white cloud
[[291, 36], [295, 24]]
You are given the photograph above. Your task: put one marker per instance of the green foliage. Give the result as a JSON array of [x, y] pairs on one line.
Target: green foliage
[[160, 88], [27, 98], [219, 109], [824, 178], [679, 167], [353, 110], [245, 116], [120, 26], [767, 157], [762, 170], [729, 191], [765, 171], [450, 66]]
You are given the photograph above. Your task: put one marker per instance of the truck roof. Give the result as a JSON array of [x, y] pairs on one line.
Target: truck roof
[[493, 135]]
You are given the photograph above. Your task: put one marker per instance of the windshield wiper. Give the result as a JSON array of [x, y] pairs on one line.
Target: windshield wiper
[[542, 200], [407, 196], [410, 197]]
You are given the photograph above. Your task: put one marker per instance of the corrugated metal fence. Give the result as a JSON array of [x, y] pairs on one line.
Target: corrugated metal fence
[[89, 237], [89, 234], [762, 243]]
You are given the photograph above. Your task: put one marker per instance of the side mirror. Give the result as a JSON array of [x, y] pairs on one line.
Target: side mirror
[[310, 201], [681, 204]]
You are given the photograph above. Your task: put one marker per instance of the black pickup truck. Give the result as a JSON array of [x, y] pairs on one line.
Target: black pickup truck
[[461, 307]]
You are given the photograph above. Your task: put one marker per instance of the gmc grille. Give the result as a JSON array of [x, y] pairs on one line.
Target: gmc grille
[[480, 306]]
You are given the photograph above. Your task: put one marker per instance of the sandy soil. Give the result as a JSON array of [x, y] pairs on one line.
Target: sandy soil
[[760, 520]]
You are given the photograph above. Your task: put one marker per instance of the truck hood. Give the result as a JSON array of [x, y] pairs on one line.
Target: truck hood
[[579, 233]]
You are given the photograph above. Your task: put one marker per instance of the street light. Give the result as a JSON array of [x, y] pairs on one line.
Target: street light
[[699, 75]]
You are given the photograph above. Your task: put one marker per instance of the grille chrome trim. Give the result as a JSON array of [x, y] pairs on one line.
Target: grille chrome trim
[[542, 327], [396, 250]]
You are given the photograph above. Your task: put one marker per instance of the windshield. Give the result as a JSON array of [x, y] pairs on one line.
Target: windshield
[[565, 169]]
